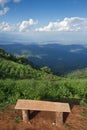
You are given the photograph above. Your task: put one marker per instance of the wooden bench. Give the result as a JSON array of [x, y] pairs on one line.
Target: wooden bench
[[27, 105]]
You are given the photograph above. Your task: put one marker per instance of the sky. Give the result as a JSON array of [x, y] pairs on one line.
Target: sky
[[43, 21]]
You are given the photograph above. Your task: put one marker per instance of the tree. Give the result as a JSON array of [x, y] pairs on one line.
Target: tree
[[46, 69]]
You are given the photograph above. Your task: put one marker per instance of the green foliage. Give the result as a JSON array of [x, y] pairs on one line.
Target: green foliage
[[83, 102], [68, 127], [12, 90], [83, 113], [80, 73], [11, 69], [18, 80], [46, 69], [18, 119]]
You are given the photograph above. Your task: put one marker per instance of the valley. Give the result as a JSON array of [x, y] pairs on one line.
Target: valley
[[62, 59]]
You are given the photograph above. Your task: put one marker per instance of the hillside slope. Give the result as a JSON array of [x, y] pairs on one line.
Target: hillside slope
[[80, 73], [18, 68], [60, 58], [19, 80]]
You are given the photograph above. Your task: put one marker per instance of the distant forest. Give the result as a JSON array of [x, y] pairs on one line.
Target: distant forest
[[61, 59]]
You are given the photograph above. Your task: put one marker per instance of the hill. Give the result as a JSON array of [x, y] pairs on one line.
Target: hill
[[80, 73], [18, 67], [62, 59], [20, 80]]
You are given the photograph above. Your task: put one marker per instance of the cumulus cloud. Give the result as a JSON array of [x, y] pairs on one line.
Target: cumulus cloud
[[6, 27], [3, 2], [68, 24], [73, 24], [4, 11], [25, 26]]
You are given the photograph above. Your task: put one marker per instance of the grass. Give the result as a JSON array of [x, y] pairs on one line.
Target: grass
[[3, 106], [18, 119], [83, 113], [83, 103], [68, 127]]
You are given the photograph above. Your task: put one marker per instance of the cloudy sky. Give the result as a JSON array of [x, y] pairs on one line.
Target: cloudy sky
[[62, 21]]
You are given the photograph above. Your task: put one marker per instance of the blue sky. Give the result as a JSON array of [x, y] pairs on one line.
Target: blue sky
[[62, 21]]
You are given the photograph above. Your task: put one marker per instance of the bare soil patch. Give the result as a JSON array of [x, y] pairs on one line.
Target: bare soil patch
[[11, 119]]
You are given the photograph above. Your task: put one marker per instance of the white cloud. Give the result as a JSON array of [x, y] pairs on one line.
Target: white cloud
[[6, 27], [73, 26], [4, 11], [76, 50], [3, 2], [68, 24], [25, 26]]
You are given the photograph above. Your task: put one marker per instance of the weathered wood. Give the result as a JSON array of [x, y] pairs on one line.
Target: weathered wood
[[25, 115], [59, 118], [42, 105]]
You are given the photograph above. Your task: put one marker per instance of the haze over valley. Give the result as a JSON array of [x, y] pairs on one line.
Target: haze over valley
[[62, 59]]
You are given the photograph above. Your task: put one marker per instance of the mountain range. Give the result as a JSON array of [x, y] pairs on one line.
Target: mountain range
[[62, 59]]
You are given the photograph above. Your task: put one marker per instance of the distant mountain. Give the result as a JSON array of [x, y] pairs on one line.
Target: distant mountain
[[80, 73], [19, 68], [61, 59]]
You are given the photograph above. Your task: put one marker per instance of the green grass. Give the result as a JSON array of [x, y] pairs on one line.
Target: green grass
[[68, 127], [20, 80], [11, 90], [83, 113], [3, 106], [18, 119]]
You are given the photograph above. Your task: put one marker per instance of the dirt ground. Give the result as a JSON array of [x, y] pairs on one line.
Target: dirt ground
[[11, 119]]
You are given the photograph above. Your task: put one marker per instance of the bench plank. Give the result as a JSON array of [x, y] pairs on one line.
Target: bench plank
[[42, 106], [27, 105]]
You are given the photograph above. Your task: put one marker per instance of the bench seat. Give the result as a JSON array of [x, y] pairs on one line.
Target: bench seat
[[36, 105]]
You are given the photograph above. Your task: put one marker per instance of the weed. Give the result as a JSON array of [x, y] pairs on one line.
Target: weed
[[68, 127], [83, 103], [18, 119], [83, 113]]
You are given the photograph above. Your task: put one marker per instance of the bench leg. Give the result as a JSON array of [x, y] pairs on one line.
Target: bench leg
[[59, 118], [25, 115]]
